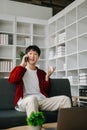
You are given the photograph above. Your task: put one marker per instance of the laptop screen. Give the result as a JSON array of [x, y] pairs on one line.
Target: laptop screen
[[74, 118]]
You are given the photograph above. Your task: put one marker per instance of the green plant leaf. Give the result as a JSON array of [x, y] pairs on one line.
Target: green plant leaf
[[21, 54], [35, 119]]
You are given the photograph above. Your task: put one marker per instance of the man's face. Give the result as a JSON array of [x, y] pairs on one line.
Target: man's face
[[32, 57]]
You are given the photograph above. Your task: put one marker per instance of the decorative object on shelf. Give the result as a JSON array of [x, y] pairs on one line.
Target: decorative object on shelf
[[35, 120], [21, 54]]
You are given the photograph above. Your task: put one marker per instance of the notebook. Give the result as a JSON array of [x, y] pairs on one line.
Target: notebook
[[74, 118]]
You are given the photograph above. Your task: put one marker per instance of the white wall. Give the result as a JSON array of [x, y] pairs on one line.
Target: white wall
[[22, 9]]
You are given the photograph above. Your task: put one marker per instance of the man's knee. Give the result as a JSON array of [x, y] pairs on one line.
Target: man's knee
[[68, 101], [32, 99]]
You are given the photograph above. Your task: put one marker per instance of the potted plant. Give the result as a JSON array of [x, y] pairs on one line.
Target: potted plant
[[35, 120], [21, 54]]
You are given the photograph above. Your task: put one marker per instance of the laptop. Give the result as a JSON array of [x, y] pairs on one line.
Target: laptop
[[74, 118]]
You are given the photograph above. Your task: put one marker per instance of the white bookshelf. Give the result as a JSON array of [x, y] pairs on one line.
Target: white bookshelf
[[16, 33], [73, 22]]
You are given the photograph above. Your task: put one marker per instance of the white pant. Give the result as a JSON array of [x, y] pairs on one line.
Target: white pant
[[31, 103]]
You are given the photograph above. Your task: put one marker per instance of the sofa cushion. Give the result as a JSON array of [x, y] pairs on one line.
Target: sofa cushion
[[60, 87], [7, 93], [50, 116]]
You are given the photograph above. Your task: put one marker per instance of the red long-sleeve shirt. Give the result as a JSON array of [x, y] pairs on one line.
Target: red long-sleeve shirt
[[16, 76]]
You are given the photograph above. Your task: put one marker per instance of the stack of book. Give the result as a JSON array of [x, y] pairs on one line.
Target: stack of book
[[6, 66], [60, 51], [83, 78], [83, 92], [62, 37], [73, 79], [51, 54], [6, 39]]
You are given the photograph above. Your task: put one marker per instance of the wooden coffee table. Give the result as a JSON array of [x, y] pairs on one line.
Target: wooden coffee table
[[47, 125]]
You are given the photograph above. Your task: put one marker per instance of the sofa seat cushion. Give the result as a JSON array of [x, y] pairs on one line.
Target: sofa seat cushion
[[11, 118], [50, 116]]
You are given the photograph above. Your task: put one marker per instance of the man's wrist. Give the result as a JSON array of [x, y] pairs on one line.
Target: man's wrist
[[23, 65], [47, 78]]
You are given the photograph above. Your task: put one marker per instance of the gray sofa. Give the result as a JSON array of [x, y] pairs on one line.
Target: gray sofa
[[9, 117]]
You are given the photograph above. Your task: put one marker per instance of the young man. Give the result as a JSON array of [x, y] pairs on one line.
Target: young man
[[33, 85]]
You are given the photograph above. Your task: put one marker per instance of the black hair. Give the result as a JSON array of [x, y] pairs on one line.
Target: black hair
[[34, 48]]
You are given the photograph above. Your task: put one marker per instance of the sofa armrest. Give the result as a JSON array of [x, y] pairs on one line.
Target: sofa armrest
[[75, 99]]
